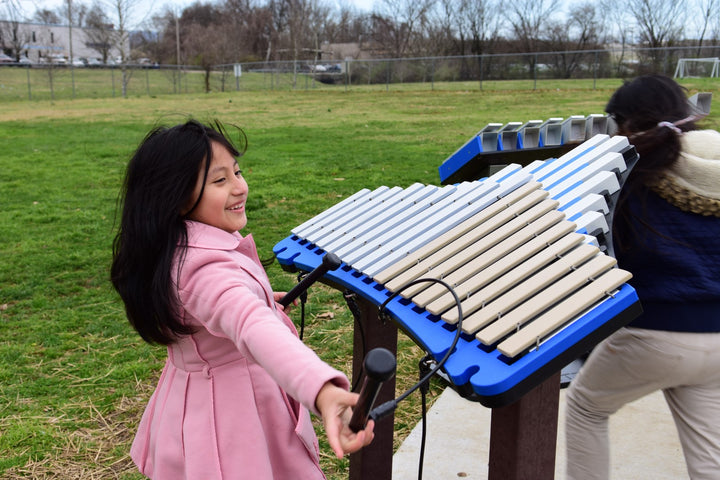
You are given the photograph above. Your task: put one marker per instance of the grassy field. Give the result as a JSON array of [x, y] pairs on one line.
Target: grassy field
[[74, 377]]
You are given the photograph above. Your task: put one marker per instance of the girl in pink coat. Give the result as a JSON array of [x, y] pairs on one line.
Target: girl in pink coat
[[234, 397]]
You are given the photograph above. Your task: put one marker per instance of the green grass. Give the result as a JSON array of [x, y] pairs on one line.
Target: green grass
[[74, 377]]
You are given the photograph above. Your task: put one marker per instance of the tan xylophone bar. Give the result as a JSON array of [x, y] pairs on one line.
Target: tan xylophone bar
[[520, 224], [539, 293], [560, 314], [472, 263]]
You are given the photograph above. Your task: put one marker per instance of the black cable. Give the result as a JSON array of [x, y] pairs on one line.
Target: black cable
[[350, 297], [424, 368], [390, 406], [425, 373]]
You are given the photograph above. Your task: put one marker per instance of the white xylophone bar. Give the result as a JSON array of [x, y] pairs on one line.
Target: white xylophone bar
[[364, 221], [358, 198], [426, 231]]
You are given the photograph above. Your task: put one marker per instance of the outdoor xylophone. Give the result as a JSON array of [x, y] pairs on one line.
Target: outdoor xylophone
[[528, 250]]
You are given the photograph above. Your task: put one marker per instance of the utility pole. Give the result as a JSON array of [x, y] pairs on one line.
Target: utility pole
[[72, 66]]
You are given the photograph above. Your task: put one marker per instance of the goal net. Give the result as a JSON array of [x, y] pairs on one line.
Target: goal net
[[697, 67]]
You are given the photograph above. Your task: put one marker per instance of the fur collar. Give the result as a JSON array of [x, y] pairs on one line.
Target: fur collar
[[693, 182]]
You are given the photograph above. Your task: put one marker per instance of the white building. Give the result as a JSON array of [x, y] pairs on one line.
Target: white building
[[41, 42]]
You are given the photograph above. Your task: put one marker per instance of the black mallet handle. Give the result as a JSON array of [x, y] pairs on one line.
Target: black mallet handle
[[379, 366], [329, 262]]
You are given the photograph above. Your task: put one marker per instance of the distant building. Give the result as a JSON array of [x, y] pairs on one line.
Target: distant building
[[43, 43], [345, 51]]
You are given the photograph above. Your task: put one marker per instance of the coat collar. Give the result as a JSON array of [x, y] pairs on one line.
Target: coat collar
[[201, 235]]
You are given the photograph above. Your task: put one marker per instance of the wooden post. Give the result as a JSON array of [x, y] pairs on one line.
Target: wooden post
[[523, 435], [375, 460]]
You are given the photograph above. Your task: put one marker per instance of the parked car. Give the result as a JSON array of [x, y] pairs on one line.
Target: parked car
[[55, 59], [6, 59]]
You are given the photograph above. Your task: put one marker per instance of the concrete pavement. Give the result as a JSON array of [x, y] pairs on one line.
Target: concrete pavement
[[644, 443]]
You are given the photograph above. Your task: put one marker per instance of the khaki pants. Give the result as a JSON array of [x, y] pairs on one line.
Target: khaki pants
[[630, 364]]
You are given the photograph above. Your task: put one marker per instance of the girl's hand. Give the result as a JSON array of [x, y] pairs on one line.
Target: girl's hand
[[277, 296], [335, 405]]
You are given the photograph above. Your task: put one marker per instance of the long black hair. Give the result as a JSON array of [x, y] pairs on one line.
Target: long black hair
[[155, 198], [649, 110]]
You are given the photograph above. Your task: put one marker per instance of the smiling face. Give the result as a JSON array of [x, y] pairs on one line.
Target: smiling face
[[222, 204]]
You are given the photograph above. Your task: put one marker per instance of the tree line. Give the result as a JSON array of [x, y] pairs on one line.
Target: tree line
[[209, 33]]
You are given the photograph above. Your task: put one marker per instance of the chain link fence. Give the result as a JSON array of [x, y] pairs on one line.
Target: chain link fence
[[483, 72]]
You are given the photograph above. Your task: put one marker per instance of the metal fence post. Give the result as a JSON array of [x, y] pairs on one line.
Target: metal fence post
[[481, 72], [595, 71], [28, 83], [432, 75], [347, 74]]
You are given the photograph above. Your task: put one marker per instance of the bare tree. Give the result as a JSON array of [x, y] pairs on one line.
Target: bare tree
[[346, 24], [708, 10], [12, 36], [660, 22], [46, 17], [614, 21], [580, 31], [466, 27], [99, 31], [122, 10], [253, 30], [398, 24], [528, 22], [204, 38]]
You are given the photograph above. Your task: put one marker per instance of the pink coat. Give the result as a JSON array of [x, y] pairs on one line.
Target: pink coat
[[226, 405]]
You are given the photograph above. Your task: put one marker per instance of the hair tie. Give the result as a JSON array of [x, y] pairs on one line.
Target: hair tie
[[671, 126], [674, 126]]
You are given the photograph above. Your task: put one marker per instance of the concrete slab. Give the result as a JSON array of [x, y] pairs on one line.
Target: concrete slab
[[644, 443]]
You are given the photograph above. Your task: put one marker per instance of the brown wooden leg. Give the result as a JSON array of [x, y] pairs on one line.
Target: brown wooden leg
[[523, 435], [374, 461]]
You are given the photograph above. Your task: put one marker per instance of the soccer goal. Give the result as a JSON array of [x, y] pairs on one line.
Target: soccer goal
[[697, 67]]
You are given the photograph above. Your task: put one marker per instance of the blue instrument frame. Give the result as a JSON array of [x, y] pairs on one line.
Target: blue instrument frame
[[478, 372]]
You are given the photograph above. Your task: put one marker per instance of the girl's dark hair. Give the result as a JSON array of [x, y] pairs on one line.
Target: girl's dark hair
[[160, 179], [638, 107]]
